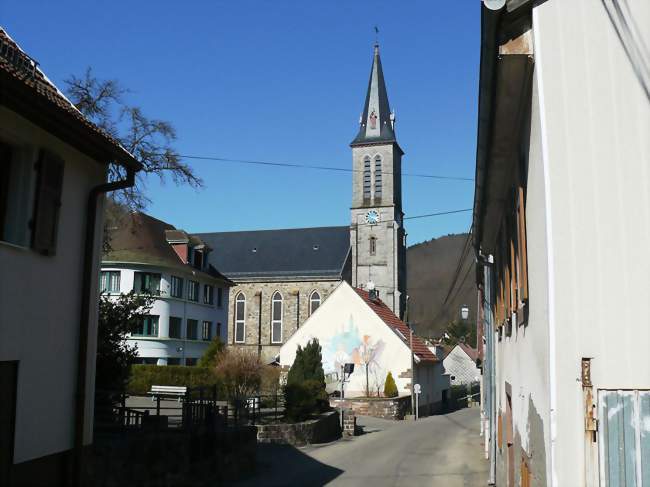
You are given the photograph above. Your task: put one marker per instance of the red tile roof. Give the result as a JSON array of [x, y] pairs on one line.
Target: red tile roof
[[387, 316], [22, 72], [471, 352]]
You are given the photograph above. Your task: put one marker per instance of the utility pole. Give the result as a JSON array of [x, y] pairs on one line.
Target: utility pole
[[406, 319]]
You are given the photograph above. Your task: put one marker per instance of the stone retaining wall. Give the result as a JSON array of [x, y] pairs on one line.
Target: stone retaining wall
[[325, 428], [386, 408]]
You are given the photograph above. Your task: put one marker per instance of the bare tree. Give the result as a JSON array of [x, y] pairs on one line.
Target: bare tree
[[149, 140]]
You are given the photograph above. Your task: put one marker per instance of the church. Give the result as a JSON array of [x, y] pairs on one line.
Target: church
[[282, 276]]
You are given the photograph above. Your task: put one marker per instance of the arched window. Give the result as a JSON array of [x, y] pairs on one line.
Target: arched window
[[240, 318], [377, 176], [366, 178], [373, 245], [314, 302], [276, 318]]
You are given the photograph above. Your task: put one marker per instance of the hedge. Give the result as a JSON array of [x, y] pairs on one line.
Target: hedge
[[144, 376]]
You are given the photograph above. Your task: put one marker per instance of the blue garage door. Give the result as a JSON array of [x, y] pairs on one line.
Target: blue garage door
[[624, 438]]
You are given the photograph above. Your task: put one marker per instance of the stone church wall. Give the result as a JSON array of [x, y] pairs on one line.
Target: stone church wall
[[295, 301]]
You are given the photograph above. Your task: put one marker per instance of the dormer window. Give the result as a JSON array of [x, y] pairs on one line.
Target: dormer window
[[197, 261]]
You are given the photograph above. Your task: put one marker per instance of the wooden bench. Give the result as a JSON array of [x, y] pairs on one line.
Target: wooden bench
[[168, 391]]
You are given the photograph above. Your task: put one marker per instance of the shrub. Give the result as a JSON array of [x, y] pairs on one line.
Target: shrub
[[304, 399], [390, 388], [305, 392], [270, 380], [211, 354], [240, 372], [144, 376]]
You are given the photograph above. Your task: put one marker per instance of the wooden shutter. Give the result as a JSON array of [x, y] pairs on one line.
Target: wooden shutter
[[47, 205]]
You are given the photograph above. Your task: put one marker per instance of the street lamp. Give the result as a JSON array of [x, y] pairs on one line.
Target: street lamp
[[464, 312]]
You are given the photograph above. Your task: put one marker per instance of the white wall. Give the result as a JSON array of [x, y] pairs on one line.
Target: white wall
[[597, 118], [40, 303], [460, 367], [340, 325], [163, 347]]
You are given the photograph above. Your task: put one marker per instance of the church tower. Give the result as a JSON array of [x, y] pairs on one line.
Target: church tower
[[377, 235]]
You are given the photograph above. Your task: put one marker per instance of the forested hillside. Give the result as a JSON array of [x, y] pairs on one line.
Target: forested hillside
[[430, 270]]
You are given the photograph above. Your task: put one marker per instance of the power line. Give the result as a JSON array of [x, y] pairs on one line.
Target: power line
[[427, 215], [459, 265], [316, 167]]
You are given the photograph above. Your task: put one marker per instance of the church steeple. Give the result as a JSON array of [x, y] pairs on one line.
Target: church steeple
[[377, 121]]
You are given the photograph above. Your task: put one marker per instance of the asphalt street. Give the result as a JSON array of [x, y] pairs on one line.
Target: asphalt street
[[442, 450]]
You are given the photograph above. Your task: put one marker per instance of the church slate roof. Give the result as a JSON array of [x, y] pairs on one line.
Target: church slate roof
[[313, 253], [375, 125]]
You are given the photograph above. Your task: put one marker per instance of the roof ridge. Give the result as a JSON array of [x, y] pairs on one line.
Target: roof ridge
[[273, 230]]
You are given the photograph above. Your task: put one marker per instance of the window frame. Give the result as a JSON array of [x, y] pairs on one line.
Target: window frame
[[367, 177], [219, 297], [372, 244], [180, 327], [109, 288], [154, 324], [209, 330], [188, 327], [208, 297], [276, 298], [179, 287], [378, 183], [241, 297], [312, 301], [155, 292], [194, 297]]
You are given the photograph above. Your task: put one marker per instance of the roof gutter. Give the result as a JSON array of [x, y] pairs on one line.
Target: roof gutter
[[84, 317]]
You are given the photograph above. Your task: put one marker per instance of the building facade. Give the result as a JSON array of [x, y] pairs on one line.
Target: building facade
[[377, 236], [54, 165], [190, 306], [460, 365], [353, 326], [281, 277], [561, 231]]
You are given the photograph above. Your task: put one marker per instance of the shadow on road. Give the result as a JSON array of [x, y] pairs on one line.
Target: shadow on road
[[297, 466]]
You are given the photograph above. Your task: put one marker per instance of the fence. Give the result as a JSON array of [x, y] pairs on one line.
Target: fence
[[200, 406]]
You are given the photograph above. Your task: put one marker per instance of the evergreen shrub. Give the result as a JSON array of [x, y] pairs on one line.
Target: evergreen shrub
[[390, 388]]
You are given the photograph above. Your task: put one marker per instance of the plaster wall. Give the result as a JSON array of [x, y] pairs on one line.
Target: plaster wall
[[347, 330], [163, 347], [460, 367], [522, 359], [40, 299], [597, 114]]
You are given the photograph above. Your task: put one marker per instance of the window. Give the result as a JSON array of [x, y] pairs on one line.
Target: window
[[208, 294], [197, 260], [373, 245], [147, 327], [191, 329], [219, 330], [146, 282], [240, 320], [193, 291], [377, 177], [276, 318], [109, 282], [207, 330], [511, 264], [219, 297], [190, 362], [177, 287], [175, 325], [366, 178], [30, 198], [314, 302], [173, 361]]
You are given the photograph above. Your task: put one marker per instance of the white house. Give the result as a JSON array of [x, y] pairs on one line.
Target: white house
[[353, 327], [460, 365], [562, 231], [53, 173], [191, 297]]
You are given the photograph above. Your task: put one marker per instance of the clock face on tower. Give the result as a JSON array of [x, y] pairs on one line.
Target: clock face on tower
[[372, 217]]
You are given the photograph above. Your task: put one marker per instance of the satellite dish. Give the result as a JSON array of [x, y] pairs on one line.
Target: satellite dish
[[370, 285], [494, 4]]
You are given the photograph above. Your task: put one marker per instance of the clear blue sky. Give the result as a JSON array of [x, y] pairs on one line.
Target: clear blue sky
[[278, 81]]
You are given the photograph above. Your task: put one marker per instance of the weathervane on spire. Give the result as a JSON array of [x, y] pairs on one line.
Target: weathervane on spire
[[376, 35]]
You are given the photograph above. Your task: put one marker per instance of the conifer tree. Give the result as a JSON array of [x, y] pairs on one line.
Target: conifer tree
[[390, 388]]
